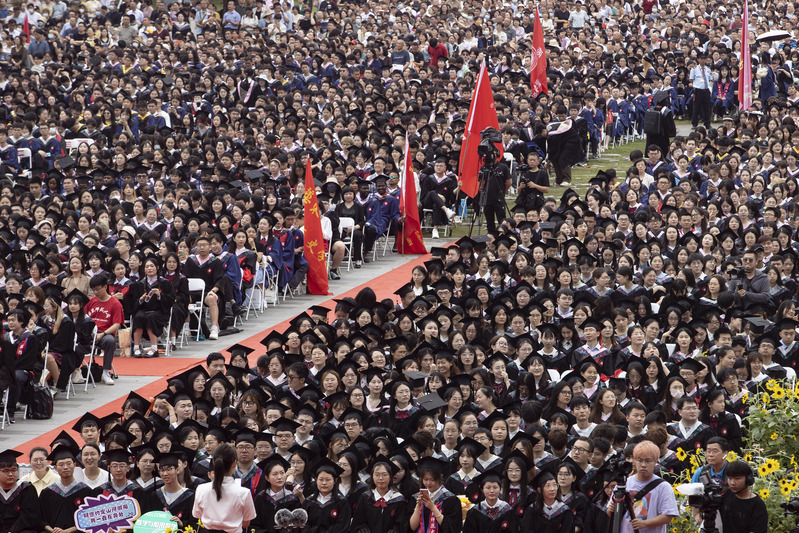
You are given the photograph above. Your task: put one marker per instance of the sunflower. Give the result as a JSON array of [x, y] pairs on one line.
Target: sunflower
[[774, 436], [731, 456], [764, 493], [773, 465], [770, 384], [785, 490], [681, 455], [779, 394], [763, 471], [766, 398], [748, 457]]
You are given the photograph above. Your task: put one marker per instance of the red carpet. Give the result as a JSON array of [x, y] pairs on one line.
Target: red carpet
[[384, 288]]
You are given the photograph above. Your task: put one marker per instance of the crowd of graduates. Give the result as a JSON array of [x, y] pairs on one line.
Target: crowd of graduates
[[145, 145]]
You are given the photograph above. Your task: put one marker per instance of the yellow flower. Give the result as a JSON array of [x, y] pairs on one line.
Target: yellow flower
[[773, 464], [763, 470], [692, 460], [764, 493], [766, 398], [748, 457], [731, 456], [785, 491], [681, 455], [770, 384], [168, 530], [745, 398], [779, 394], [774, 436]]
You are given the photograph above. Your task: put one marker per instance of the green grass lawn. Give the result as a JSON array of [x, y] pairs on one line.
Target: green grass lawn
[[618, 158]]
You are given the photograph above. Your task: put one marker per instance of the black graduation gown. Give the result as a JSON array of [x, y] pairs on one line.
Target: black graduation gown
[[597, 519], [579, 505], [478, 521], [332, 517], [371, 516], [266, 507], [20, 512], [181, 507], [132, 489], [57, 508], [697, 439], [455, 484], [727, 426], [450, 507], [354, 496], [537, 521]]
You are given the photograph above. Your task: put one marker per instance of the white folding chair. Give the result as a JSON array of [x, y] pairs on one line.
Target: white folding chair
[[89, 376], [343, 224], [167, 332], [6, 396], [25, 158], [196, 309], [257, 289]]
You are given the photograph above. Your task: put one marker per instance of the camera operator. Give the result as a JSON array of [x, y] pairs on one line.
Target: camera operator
[[752, 287], [497, 184], [742, 511], [533, 185], [653, 498]]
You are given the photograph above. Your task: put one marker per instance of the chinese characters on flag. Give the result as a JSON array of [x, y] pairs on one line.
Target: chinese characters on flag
[[314, 249]]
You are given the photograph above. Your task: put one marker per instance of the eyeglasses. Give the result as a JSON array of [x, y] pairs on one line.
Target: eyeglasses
[[580, 450], [248, 402], [245, 447]]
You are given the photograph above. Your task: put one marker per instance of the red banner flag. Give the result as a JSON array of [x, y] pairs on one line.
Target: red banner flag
[[745, 78], [411, 240], [26, 29], [538, 59], [314, 248], [482, 115]]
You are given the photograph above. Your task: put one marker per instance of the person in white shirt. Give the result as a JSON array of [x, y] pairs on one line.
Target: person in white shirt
[[224, 505]]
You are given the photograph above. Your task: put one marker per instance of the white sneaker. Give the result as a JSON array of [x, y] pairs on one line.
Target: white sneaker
[[435, 233], [450, 213], [77, 377], [214, 333], [106, 378]]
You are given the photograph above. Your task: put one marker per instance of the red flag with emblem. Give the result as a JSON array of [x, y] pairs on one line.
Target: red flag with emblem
[[482, 115], [411, 240], [538, 59], [314, 247]]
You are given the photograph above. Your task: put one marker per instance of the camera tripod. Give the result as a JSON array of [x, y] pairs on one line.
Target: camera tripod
[[485, 174], [621, 497]]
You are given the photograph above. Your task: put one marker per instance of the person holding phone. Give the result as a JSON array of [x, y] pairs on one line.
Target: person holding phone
[[434, 501]]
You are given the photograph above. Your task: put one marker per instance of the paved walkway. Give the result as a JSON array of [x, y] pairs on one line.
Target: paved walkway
[[65, 410]]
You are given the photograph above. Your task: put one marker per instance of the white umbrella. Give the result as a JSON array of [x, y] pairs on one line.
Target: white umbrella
[[774, 35]]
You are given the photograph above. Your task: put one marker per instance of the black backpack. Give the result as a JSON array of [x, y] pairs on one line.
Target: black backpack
[[652, 122]]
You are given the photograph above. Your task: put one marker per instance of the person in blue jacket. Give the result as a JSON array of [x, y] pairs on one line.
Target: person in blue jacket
[[374, 225]]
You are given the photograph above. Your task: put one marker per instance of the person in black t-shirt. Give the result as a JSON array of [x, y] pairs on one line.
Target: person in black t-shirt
[[533, 185], [742, 510]]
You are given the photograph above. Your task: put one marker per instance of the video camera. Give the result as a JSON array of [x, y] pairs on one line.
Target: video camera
[[709, 502], [620, 467], [487, 150], [737, 273]]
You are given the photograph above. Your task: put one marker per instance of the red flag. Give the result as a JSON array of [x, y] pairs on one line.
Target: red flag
[[745, 69], [538, 59], [482, 114], [411, 240], [26, 29], [314, 248]]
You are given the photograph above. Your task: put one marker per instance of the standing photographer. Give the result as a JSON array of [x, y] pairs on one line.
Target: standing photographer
[[753, 287], [653, 498], [533, 185], [741, 509], [498, 181]]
